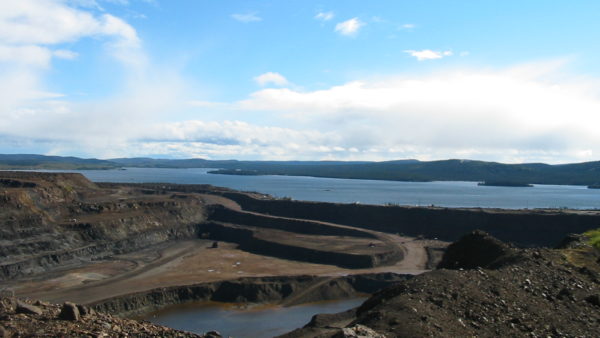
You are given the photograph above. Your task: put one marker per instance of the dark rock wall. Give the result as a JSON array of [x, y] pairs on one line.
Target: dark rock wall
[[250, 290], [51, 220], [522, 227], [222, 214], [44, 262], [248, 242]]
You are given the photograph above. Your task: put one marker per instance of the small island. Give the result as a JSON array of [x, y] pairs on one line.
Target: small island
[[505, 184], [242, 172], [594, 186]]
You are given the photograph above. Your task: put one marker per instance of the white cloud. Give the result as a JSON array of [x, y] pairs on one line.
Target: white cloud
[[52, 22], [407, 26], [202, 103], [28, 27], [29, 32], [65, 54], [531, 112], [428, 54], [237, 139], [324, 16], [271, 78], [349, 27], [246, 17], [525, 113], [85, 4], [25, 55]]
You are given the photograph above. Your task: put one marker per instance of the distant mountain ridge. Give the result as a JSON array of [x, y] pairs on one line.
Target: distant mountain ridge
[[587, 173], [31, 161]]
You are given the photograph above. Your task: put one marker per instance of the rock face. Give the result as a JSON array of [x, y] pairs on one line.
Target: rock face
[[49, 220], [262, 242], [525, 228], [290, 290], [539, 293]]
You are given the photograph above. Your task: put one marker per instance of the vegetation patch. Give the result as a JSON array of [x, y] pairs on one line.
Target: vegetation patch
[[594, 237]]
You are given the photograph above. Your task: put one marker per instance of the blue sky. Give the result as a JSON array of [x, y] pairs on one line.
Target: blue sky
[[511, 81]]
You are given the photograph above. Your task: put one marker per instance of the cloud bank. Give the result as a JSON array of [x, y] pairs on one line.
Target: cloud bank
[[524, 113], [531, 112]]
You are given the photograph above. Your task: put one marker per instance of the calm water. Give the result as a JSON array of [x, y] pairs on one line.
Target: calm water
[[448, 194], [238, 323]]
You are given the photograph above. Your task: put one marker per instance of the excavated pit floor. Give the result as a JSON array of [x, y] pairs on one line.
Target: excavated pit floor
[[190, 262]]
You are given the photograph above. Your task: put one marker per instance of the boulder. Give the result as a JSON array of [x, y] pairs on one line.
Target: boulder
[[83, 310], [69, 311], [358, 331], [213, 334], [3, 332], [593, 299], [573, 241], [28, 309]]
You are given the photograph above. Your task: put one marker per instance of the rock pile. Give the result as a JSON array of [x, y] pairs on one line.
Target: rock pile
[[477, 249], [492, 290], [22, 318]]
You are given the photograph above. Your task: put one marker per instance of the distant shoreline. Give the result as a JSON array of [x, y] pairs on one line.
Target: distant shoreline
[[407, 170], [505, 184]]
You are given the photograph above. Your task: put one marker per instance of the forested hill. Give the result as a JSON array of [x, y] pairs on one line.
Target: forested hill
[[447, 170], [34, 162], [587, 173]]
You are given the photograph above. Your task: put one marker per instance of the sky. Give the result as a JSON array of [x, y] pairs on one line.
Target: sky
[[508, 81]]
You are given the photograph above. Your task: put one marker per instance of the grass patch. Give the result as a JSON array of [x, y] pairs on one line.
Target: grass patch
[[594, 237]]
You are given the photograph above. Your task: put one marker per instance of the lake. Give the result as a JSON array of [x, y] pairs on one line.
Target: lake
[[447, 194], [255, 322]]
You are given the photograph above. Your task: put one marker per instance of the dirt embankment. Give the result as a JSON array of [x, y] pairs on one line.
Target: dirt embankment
[[484, 288], [286, 290]]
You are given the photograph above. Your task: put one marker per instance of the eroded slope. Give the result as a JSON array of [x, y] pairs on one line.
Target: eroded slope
[[505, 292]]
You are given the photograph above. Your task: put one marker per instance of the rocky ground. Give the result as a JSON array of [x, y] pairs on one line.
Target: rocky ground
[[484, 288], [21, 318]]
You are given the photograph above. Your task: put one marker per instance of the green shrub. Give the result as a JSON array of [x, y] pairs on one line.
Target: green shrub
[[594, 236]]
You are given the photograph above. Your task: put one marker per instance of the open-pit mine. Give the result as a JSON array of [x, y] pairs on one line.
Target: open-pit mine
[[128, 249]]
